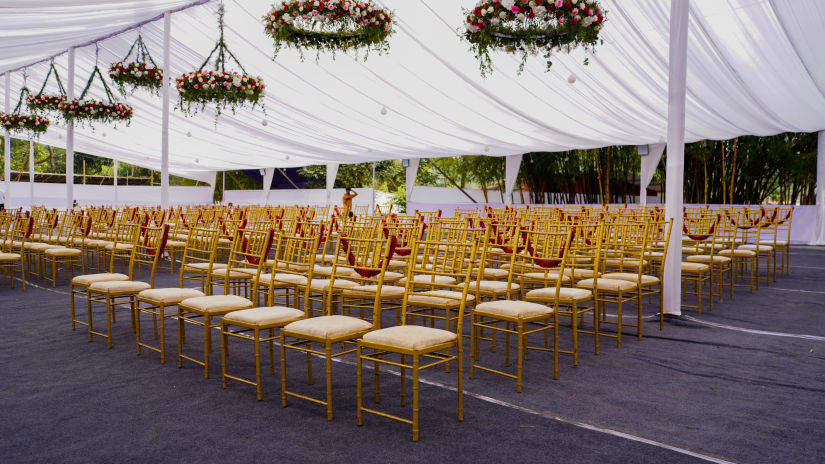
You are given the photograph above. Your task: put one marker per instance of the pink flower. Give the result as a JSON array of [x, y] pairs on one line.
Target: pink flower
[[575, 11], [559, 3], [514, 9]]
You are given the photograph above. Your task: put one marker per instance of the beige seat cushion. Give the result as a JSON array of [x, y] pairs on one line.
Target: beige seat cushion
[[268, 316], [779, 243], [233, 274], [626, 262], [609, 285], [513, 309], [694, 268], [119, 246], [493, 273], [566, 294], [496, 286], [654, 254], [632, 277], [215, 304], [193, 267], [387, 291], [322, 285], [543, 277], [389, 277], [579, 273], [175, 244], [119, 286], [438, 298], [396, 264], [322, 258], [88, 279], [410, 337], [96, 243], [291, 279], [429, 279], [693, 250], [326, 327], [9, 256], [40, 246], [707, 259], [63, 252], [738, 252], [755, 247], [168, 296]]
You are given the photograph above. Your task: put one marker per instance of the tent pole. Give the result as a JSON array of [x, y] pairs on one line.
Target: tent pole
[[115, 181], [677, 77], [373, 187], [31, 173], [818, 237], [70, 137], [7, 144], [164, 141]]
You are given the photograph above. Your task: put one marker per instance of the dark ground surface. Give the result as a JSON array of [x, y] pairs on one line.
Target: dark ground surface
[[701, 386]]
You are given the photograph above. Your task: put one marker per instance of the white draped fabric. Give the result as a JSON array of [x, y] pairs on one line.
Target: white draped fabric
[[269, 173], [753, 67], [819, 225], [649, 164], [511, 166], [332, 173], [411, 174]]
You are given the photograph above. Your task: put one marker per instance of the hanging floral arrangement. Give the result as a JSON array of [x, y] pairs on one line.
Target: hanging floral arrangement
[[327, 25], [224, 89], [531, 27], [16, 121], [45, 101], [80, 110], [128, 75]]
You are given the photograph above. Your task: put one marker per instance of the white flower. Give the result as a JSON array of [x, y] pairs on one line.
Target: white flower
[[520, 16], [502, 15], [495, 21], [236, 81], [508, 4], [532, 3], [470, 27], [581, 5], [138, 74], [539, 10]]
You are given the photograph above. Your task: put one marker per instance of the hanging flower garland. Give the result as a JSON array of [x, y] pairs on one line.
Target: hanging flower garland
[[19, 122], [79, 110], [531, 27], [329, 26], [47, 102], [217, 86], [143, 72]]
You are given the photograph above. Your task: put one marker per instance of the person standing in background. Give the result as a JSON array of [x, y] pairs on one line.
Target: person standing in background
[[349, 194], [2, 199]]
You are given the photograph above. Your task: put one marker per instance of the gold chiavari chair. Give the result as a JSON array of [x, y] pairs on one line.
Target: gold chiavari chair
[[753, 241], [250, 251], [743, 261], [243, 266], [781, 225], [299, 252], [710, 235], [65, 255], [621, 251], [419, 343], [541, 264], [12, 256], [331, 330], [147, 249], [198, 260]]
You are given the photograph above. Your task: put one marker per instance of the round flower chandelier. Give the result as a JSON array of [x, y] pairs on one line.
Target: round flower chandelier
[[531, 27], [329, 25], [142, 72], [44, 101], [80, 110], [17, 121], [218, 86]]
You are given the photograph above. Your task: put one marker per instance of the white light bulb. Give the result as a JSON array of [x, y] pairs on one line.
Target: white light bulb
[[383, 110], [264, 123], [286, 157], [571, 79], [189, 134], [486, 148], [60, 136], [197, 160], [103, 134]]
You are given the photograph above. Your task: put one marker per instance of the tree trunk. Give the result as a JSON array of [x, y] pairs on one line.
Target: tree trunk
[[733, 167]]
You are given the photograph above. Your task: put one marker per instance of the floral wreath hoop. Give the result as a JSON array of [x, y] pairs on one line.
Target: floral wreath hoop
[[16, 121], [329, 25], [81, 110], [224, 89], [47, 102], [142, 72], [531, 27]]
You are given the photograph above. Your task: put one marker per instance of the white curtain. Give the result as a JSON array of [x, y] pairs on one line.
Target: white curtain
[[672, 281], [819, 226], [411, 174], [511, 168], [332, 173], [649, 164], [269, 173]]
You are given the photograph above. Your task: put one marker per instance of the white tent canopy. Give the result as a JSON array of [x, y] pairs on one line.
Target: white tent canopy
[[752, 68]]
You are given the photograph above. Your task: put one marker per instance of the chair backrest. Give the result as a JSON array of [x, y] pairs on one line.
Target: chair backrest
[[542, 263], [147, 249], [201, 246], [452, 259], [250, 251], [295, 258]]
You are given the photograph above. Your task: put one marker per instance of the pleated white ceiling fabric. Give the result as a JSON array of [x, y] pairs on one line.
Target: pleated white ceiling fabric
[[754, 67]]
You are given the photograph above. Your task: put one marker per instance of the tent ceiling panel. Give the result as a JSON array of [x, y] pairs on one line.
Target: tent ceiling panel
[[753, 68]]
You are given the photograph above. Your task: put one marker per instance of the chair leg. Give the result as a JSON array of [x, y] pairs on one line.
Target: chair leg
[[415, 397], [283, 371], [257, 343], [328, 366], [520, 355], [359, 386]]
